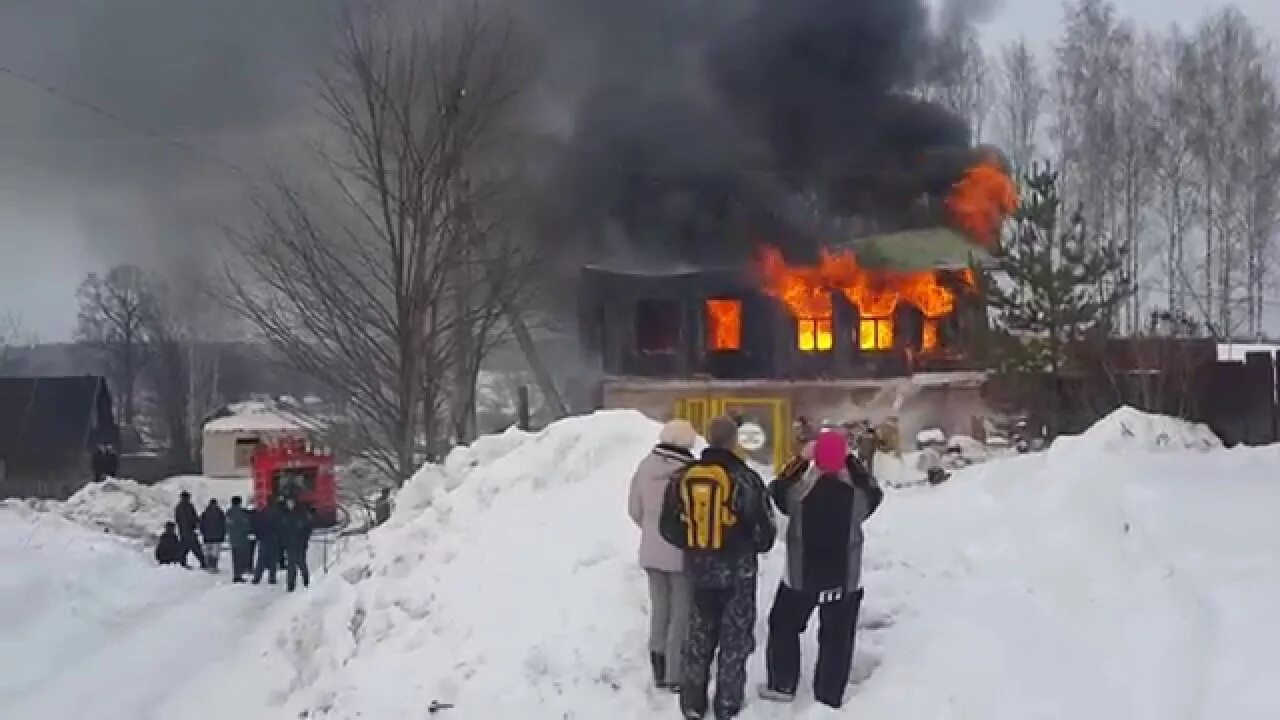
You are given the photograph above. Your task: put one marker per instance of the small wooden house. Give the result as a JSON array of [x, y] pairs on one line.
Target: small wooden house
[[49, 428]]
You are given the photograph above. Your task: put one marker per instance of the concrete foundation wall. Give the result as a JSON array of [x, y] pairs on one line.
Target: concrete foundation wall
[[950, 401]]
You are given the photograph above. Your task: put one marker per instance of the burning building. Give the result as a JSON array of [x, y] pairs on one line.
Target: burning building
[[745, 143], [879, 327]]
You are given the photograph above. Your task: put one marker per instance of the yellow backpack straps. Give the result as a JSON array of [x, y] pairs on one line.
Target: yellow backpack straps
[[706, 492]]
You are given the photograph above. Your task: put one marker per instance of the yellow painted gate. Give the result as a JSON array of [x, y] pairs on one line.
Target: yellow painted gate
[[765, 434]]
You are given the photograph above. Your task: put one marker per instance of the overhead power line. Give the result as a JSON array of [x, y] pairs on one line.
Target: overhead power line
[[117, 119]]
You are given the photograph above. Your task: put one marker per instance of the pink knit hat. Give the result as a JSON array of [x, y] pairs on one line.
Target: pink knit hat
[[829, 451]]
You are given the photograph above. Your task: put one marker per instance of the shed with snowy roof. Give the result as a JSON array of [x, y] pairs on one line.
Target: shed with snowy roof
[[230, 440]]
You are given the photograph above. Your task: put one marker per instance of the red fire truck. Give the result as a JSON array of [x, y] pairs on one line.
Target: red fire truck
[[293, 468]]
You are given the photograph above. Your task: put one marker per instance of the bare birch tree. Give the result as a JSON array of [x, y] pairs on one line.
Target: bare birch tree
[[1176, 181], [372, 286], [1087, 86], [182, 321], [111, 322], [1232, 93], [1020, 104]]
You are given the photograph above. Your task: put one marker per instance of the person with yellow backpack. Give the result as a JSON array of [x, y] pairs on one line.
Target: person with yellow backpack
[[717, 510]]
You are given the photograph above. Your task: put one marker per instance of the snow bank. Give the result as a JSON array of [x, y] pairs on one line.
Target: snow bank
[[131, 510], [1129, 430], [504, 583]]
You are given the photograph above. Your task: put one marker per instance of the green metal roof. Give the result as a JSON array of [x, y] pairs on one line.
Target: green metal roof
[[914, 250]]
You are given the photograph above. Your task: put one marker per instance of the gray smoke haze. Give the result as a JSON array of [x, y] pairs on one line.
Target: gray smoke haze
[[704, 128], [226, 77]]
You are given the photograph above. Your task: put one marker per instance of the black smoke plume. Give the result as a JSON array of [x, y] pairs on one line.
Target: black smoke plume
[[705, 128]]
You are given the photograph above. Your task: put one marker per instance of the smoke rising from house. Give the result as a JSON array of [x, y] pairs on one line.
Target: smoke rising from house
[[703, 128]]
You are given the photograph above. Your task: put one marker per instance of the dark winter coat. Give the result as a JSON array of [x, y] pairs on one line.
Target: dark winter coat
[[239, 526], [186, 518], [824, 535], [213, 524], [266, 524], [754, 532], [169, 549], [295, 529], [102, 464], [111, 463]]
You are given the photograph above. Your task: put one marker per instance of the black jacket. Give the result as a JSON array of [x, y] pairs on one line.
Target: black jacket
[[185, 517], [266, 524], [168, 549], [754, 533], [213, 524], [295, 528]]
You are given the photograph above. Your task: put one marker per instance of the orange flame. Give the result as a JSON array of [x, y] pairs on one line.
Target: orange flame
[[806, 292], [980, 202], [724, 324]]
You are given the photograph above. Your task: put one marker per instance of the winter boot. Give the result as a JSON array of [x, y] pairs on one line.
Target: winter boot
[[772, 695], [658, 662]]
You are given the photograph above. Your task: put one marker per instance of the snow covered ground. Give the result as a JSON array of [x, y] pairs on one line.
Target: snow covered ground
[[1130, 572], [93, 629]]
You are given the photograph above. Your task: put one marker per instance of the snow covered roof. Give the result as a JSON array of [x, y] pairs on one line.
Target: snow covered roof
[[254, 422]]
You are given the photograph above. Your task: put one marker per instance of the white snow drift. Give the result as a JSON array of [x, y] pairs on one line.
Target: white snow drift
[[1129, 572]]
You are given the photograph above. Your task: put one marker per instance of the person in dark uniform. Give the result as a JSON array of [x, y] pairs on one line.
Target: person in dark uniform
[[266, 528], [295, 536], [239, 532], [187, 520]]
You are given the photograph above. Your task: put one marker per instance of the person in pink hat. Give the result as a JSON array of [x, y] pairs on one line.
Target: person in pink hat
[[827, 494]]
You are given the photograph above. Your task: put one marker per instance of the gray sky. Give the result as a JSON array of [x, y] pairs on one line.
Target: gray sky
[[79, 193]]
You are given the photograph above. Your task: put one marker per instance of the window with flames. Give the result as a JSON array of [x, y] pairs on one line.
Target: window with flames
[[724, 325]]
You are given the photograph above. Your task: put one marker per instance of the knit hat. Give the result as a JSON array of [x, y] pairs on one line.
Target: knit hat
[[830, 451], [678, 433], [723, 433]]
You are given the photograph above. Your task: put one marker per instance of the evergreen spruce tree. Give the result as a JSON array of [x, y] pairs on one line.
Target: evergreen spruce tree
[[1054, 285]]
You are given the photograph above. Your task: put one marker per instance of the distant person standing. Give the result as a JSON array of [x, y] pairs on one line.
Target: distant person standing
[[111, 460], [382, 507], [266, 528], [295, 536], [239, 530], [104, 461], [186, 518], [213, 528]]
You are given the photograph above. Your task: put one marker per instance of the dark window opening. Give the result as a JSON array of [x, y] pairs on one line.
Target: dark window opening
[[294, 482], [245, 447], [657, 327]]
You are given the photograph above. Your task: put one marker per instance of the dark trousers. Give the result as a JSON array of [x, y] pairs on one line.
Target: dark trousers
[[723, 620], [837, 625], [297, 558], [268, 561], [191, 546], [241, 560]]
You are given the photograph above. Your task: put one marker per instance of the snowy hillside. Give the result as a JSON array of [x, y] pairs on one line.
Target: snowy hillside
[[1119, 575]]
